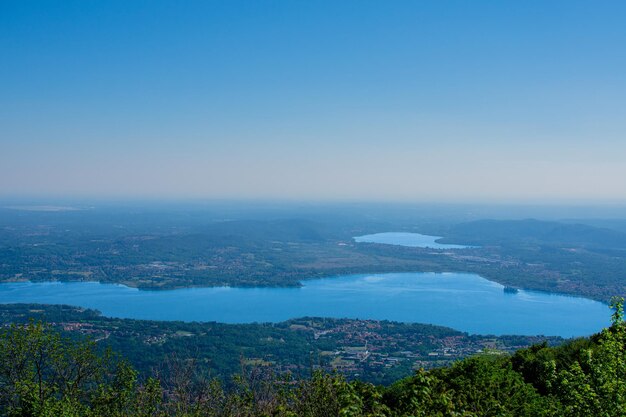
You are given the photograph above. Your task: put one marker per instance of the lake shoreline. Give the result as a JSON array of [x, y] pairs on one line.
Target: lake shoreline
[[463, 301]]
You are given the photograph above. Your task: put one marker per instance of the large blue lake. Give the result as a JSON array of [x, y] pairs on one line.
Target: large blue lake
[[465, 302]]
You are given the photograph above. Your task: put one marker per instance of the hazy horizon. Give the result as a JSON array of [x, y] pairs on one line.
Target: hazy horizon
[[357, 101]]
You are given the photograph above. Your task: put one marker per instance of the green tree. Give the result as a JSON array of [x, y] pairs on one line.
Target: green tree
[[596, 383], [617, 305], [44, 374]]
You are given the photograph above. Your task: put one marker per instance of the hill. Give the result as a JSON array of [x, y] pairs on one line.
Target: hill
[[535, 232]]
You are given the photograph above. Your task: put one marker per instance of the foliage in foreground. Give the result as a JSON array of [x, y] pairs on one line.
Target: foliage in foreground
[[45, 374]]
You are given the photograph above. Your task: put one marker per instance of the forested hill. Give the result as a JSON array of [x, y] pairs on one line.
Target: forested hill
[[45, 374], [373, 351], [531, 231]]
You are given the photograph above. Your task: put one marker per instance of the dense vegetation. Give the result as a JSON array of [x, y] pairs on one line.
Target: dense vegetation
[[172, 249], [45, 374]]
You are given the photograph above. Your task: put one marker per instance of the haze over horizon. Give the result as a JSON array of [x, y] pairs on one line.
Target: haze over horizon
[[351, 100]]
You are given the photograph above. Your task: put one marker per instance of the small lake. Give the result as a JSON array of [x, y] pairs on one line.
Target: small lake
[[414, 240], [464, 302]]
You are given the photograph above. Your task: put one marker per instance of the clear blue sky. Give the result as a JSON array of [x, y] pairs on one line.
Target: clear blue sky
[[371, 100]]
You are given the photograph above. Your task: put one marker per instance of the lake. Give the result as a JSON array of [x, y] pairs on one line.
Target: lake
[[414, 240], [464, 302]]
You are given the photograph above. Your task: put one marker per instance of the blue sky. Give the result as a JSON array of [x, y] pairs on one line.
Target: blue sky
[[366, 100]]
